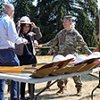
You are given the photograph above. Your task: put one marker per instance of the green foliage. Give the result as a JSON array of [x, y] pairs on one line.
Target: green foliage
[[1, 7], [22, 8], [49, 13], [49, 17], [86, 22]]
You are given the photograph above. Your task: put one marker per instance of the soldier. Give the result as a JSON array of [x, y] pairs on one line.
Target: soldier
[[67, 40]]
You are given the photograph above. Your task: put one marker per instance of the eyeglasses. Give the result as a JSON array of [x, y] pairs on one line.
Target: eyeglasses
[[26, 26]]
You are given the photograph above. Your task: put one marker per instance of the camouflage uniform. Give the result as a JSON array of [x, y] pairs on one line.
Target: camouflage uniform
[[67, 42], [54, 50]]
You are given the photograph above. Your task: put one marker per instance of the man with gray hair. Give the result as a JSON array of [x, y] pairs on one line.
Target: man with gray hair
[[8, 38]]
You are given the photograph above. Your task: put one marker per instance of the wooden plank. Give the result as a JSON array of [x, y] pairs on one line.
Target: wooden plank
[[45, 70], [89, 67], [66, 70], [64, 63], [11, 70], [88, 61]]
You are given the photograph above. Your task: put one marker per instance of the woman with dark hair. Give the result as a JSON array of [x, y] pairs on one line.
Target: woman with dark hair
[[26, 53]]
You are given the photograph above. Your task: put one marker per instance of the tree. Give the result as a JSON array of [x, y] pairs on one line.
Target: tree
[[22, 8], [50, 13], [1, 6], [86, 21]]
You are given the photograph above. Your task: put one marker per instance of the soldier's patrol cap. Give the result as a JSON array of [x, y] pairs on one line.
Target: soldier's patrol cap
[[68, 17]]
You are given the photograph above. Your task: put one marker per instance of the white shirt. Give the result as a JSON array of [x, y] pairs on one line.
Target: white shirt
[[8, 33]]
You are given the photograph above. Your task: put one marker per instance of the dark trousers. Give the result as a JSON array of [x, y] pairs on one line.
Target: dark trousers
[[26, 60], [22, 89]]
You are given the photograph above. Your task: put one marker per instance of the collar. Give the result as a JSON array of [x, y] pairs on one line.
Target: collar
[[69, 31], [4, 15]]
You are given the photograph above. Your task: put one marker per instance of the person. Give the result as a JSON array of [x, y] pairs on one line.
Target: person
[[67, 40], [8, 38], [27, 56], [36, 44]]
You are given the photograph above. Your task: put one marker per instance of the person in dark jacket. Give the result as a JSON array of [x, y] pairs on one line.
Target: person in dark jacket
[[26, 53]]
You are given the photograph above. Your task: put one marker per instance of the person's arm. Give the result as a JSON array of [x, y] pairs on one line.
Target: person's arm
[[51, 50], [83, 44], [38, 34], [52, 42], [18, 27], [13, 36], [36, 43]]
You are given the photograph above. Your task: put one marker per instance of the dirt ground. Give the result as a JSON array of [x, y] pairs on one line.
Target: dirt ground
[[89, 83]]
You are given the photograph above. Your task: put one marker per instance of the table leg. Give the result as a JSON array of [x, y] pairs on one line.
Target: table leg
[[18, 90], [98, 86], [31, 89], [35, 97]]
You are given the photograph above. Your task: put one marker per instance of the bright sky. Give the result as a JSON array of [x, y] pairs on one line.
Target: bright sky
[[35, 2], [99, 4]]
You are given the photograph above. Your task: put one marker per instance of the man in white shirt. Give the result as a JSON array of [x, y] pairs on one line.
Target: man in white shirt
[[8, 38]]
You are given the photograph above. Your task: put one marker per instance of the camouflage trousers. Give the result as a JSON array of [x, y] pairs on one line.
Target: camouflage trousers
[[77, 81]]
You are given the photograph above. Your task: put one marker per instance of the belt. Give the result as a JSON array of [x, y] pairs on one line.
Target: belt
[[7, 49]]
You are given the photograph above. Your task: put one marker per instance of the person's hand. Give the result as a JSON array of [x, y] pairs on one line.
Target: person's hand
[[36, 43], [25, 41], [50, 51], [18, 23], [39, 46], [33, 25]]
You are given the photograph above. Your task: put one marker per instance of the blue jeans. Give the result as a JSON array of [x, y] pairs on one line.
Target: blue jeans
[[8, 58]]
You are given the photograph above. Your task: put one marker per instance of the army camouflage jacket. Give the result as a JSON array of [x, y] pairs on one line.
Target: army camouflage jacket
[[68, 41]]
